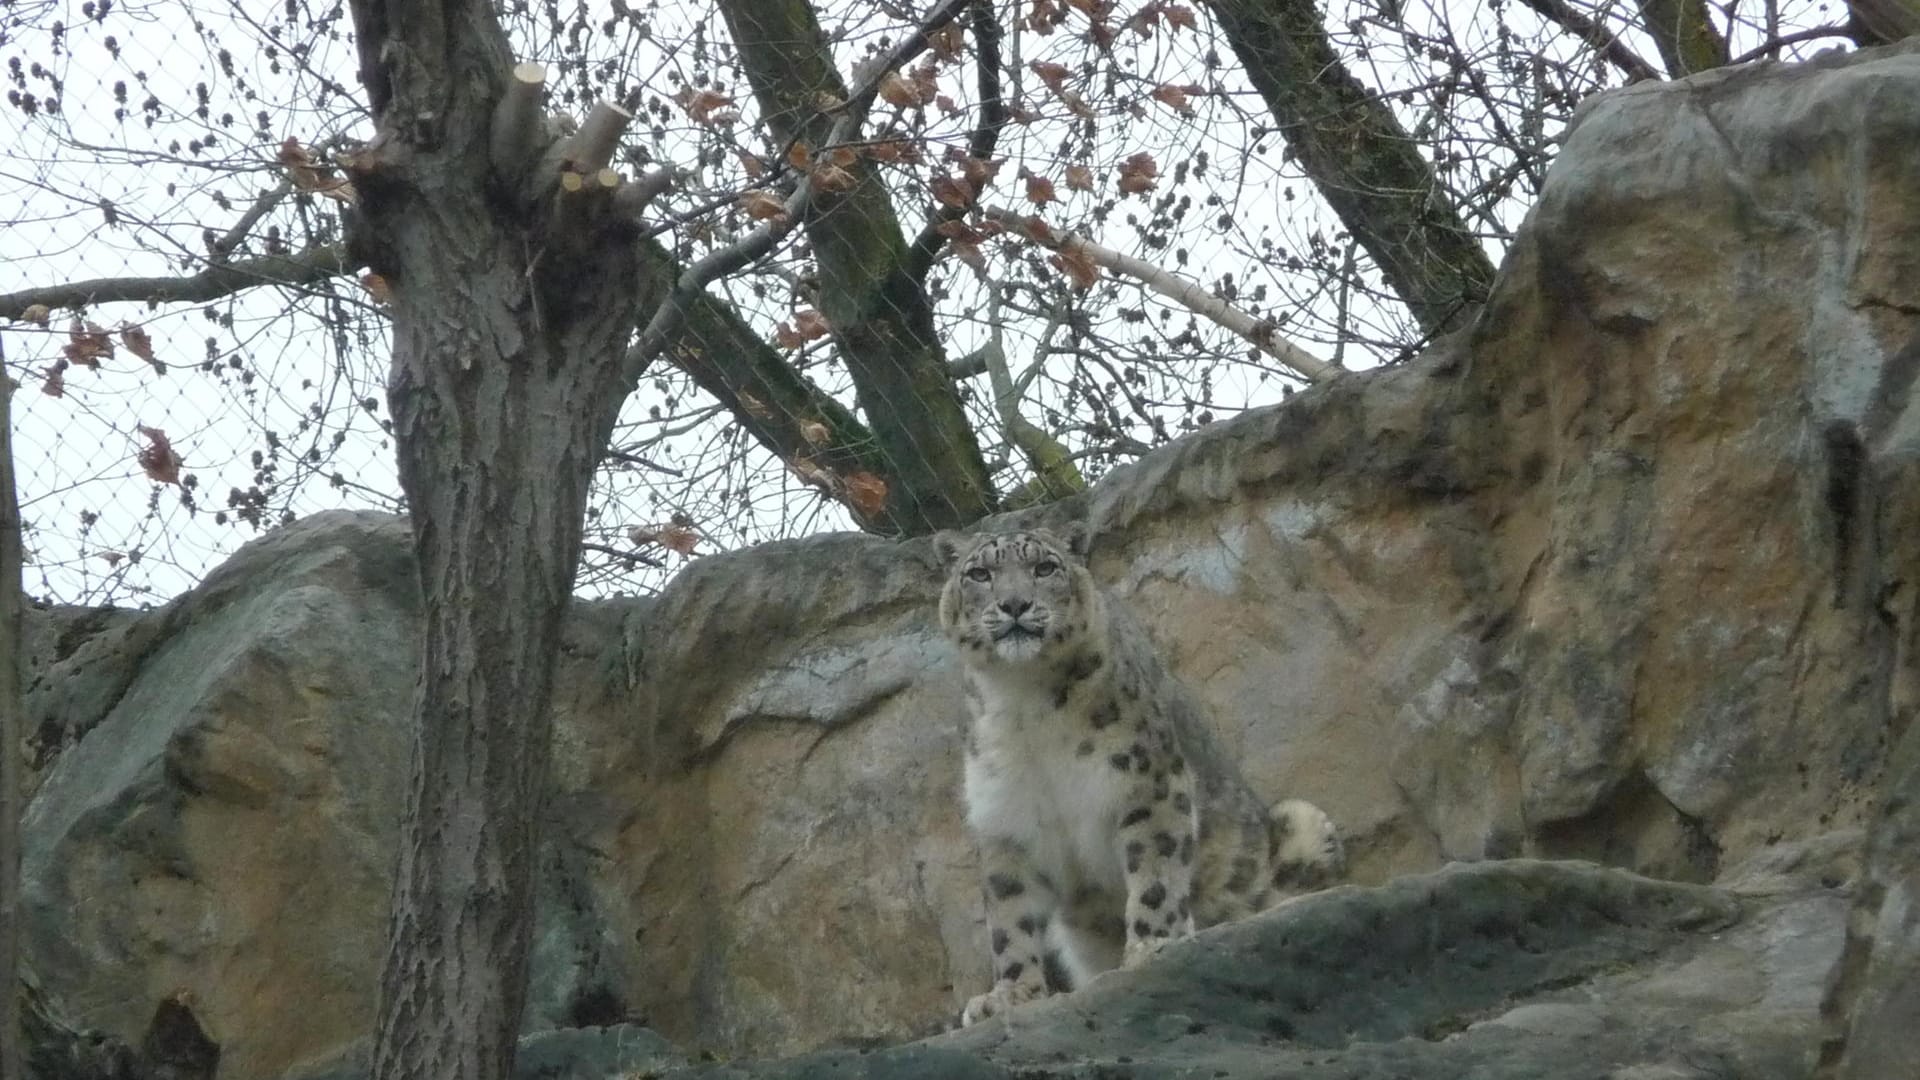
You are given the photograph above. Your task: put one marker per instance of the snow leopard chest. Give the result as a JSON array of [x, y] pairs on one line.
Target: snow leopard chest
[[1036, 776]]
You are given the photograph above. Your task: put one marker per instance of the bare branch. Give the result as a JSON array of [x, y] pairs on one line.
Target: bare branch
[[987, 35], [592, 147], [262, 206], [1054, 474], [632, 200], [764, 238], [1604, 41], [515, 139], [1190, 294], [1773, 45], [303, 268], [627, 554]]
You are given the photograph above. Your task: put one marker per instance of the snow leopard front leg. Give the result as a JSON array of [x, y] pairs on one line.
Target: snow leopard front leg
[[1021, 902], [1157, 845]]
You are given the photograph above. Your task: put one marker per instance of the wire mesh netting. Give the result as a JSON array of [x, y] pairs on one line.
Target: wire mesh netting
[[1067, 232]]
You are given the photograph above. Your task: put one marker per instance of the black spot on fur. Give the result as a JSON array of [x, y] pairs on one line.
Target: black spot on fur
[[1004, 886], [1160, 932], [1013, 971], [999, 941], [1154, 895], [1178, 765], [1085, 749], [1135, 816], [1104, 716], [1160, 787], [1163, 843], [1059, 979], [1135, 849], [1182, 803], [1242, 876], [1140, 761], [1083, 666], [1032, 925], [1141, 929], [1120, 761], [1186, 850]]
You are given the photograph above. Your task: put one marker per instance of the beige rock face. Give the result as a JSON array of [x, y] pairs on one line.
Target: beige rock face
[[1627, 574]]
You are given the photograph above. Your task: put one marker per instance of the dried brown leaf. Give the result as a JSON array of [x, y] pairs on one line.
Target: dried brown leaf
[[1054, 75], [135, 339], [832, 178], [867, 494], [377, 288], [1040, 190], [37, 314], [947, 41], [1175, 97], [980, 171], [898, 92], [811, 324], [87, 344], [1079, 178], [763, 206], [952, 191], [709, 106], [1138, 174], [1080, 270], [157, 459]]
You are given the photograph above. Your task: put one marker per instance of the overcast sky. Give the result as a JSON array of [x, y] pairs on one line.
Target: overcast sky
[[128, 174]]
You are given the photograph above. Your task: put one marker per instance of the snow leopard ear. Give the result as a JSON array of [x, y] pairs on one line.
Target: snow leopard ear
[[1076, 537], [948, 546]]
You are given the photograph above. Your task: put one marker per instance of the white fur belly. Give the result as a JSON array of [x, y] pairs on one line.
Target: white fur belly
[[1030, 787]]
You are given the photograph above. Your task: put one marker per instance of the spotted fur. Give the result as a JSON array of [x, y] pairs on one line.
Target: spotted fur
[[1108, 820]]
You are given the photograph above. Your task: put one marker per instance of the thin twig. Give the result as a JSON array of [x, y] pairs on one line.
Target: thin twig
[[1192, 295], [1605, 41], [224, 247]]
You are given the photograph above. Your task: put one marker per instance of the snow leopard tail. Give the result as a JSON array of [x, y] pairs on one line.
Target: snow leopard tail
[[1303, 846]]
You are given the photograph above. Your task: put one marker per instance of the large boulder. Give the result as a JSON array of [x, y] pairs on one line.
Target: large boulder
[[1511, 970], [1625, 574]]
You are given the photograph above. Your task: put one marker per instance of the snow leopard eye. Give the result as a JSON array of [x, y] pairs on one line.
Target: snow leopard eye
[[1045, 569], [979, 573]]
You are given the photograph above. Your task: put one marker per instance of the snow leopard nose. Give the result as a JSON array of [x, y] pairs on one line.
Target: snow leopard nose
[[1015, 608]]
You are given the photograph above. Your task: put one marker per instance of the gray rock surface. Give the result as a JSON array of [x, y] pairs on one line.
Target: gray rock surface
[[1517, 969], [1626, 574]]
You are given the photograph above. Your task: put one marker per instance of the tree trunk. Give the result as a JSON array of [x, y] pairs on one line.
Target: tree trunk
[[1684, 34], [881, 317], [12, 729], [509, 328], [1362, 161]]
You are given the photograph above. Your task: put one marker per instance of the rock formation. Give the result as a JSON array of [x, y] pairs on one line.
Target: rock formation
[[1625, 574]]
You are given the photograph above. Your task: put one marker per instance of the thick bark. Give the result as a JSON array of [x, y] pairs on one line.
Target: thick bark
[[508, 333], [12, 728], [1360, 159], [881, 316], [1684, 34]]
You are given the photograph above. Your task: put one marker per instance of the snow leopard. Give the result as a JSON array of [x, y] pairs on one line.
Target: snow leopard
[[1109, 820]]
